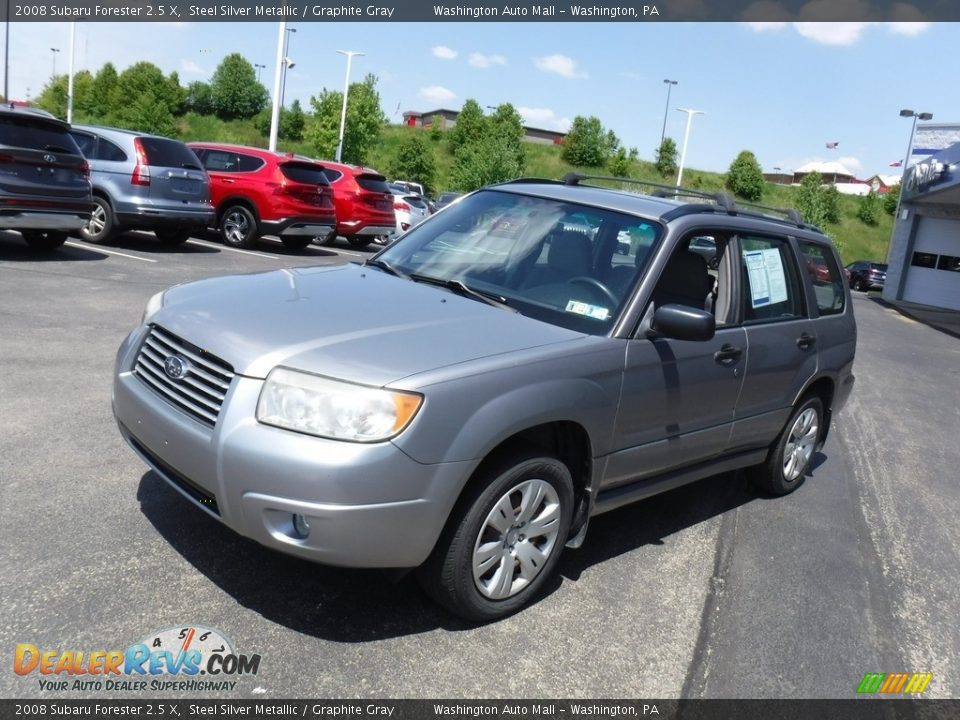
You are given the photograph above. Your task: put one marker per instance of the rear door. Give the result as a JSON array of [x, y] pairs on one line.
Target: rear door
[[781, 340], [176, 175], [40, 160], [111, 169], [232, 174]]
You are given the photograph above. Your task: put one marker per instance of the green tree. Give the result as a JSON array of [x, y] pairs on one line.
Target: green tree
[[365, 121], [890, 200], [177, 94], [436, 128], [148, 114], [85, 105], [831, 204], [199, 98], [745, 178], [619, 163], [506, 122], [666, 158], [489, 160], [810, 199], [587, 143], [292, 122], [414, 161], [104, 87], [53, 96], [137, 82], [470, 127], [236, 92], [869, 210]]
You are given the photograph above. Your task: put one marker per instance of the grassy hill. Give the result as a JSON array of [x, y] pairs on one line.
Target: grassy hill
[[855, 239]]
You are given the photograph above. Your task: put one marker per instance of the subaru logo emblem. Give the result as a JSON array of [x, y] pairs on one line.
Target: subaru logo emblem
[[50, 158], [175, 367]]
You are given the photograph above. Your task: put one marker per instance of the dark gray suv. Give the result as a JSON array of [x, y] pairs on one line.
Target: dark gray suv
[[143, 182], [536, 354]]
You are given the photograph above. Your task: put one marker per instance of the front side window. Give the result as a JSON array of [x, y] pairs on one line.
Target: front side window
[[828, 283], [770, 289], [563, 263]]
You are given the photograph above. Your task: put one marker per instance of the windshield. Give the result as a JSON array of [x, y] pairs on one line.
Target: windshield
[[562, 263]]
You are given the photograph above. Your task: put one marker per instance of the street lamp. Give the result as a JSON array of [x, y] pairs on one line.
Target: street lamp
[[346, 89], [686, 137], [287, 63], [259, 67], [663, 133], [906, 161], [54, 51]]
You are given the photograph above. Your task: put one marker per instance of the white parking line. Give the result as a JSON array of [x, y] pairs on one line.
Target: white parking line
[[236, 250], [97, 248], [338, 251]]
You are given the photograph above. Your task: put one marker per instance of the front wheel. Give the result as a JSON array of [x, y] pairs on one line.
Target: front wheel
[[786, 465], [238, 227], [44, 240], [503, 540], [359, 241]]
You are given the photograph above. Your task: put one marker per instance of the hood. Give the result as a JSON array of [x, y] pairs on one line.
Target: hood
[[348, 322]]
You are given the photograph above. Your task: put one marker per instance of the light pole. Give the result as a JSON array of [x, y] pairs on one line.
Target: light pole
[[906, 161], [686, 138], [277, 74], [663, 133], [287, 63], [54, 51], [73, 34], [346, 89], [259, 67]]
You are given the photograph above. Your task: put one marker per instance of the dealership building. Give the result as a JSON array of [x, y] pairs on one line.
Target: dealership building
[[924, 256]]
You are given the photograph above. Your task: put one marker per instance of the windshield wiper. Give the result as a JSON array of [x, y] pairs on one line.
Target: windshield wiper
[[461, 288], [384, 265]]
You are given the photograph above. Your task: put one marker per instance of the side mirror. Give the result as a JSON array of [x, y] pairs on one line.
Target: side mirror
[[681, 322]]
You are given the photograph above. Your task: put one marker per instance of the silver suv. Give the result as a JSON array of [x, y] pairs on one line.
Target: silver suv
[[537, 354], [143, 182]]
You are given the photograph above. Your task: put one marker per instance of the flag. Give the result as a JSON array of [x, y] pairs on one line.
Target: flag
[[832, 145], [898, 163]]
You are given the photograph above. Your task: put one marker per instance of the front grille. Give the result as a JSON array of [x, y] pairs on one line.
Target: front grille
[[203, 386]]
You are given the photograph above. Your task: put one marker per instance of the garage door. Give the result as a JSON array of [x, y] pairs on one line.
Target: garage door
[[929, 278]]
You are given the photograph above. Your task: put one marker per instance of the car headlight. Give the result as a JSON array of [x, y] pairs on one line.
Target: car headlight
[[153, 307], [332, 408]]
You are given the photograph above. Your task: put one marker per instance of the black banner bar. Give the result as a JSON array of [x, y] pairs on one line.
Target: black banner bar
[[865, 708], [631, 11]]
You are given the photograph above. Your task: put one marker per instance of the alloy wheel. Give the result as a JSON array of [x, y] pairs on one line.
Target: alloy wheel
[[800, 444]]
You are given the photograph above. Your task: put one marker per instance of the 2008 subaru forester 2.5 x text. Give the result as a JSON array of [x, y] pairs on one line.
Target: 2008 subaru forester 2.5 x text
[[536, 354]]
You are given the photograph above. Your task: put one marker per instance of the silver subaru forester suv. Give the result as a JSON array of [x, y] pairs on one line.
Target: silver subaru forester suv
[[536, 354]]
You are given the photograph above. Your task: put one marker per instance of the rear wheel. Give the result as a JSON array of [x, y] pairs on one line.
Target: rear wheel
[[172, 237], [238, 227], [359, 241], [325, 239], [786, 465], [101, 226], [44, 240], [296, 243], [503, 540], [860, 285]]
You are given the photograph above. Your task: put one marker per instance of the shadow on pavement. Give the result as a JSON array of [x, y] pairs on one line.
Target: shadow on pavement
[[14, 249], [942, 319], [350, 605]]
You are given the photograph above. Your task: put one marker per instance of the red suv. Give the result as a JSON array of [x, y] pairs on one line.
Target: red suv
[[364, 203], [257, 192]]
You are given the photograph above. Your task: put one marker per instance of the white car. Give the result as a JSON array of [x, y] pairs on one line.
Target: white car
[[410, 209]]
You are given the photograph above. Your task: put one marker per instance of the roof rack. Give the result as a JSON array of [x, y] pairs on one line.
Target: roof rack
[[722, 199]]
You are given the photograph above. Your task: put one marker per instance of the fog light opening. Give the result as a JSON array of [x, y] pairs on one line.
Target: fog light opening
[[301, 527]]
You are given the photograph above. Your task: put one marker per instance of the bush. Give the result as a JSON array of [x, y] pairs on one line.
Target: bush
[[869, 210], [744, 178], [666, 158], [414, 161]]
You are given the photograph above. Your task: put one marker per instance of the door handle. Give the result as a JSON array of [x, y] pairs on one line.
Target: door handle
[[727, 354], [805, 341], [227, 181]]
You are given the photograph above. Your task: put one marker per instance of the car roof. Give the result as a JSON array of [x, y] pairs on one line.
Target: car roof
[[121, 131], [260, 152], [34, 113]]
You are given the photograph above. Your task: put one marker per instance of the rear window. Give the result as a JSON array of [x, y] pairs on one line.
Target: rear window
[[879, 266], [373, 183], [168, 153], [306, 173], [35, 134], [415, 201]]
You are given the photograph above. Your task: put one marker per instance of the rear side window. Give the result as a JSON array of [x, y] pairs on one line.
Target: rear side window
[[771, 287], [86, 143], [35, 134], [373, 183], [825, 276], [106, 150], [230, 162], [332, 175], [306, 173], [168, 153]]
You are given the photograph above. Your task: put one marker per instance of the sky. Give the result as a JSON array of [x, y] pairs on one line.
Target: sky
[[780, 90]]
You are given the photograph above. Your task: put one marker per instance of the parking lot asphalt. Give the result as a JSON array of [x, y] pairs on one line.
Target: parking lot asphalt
[[708, 591]]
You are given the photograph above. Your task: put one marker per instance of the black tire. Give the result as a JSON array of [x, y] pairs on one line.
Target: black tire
[[325, 240], [296, 242], [359, 241], [172, 237], [239, 227], [44, 240], [448, 574], [799, 439], [102, 226], [860, 285]]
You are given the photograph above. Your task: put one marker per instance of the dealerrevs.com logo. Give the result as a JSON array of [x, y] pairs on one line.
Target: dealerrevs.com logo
[[188, 658]]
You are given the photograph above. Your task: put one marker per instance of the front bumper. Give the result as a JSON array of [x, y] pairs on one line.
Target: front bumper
[[367, 505]]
